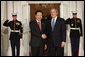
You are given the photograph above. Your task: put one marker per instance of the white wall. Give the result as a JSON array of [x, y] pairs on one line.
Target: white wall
[[4, 30]]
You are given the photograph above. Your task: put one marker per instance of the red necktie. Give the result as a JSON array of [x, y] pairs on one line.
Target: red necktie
[[39, 25]]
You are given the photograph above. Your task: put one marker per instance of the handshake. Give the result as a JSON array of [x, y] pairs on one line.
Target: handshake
[[44, 36]]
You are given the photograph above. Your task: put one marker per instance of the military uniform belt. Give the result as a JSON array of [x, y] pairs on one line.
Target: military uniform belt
[[15, 31], [74, 28]]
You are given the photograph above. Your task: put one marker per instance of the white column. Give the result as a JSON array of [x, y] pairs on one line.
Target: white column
[[26, 16], [72, 7], [10, 10], [80, 9], [3, 17]]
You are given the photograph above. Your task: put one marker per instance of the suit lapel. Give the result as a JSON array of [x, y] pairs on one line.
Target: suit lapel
[[41, 25], [56, 23], [37, 26], [50, 25]]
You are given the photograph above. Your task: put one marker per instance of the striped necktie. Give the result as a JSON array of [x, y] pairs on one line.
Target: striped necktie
[[53, 24], [39, 25]]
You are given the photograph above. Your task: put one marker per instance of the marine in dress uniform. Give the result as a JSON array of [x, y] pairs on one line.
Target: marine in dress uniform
[[15, 33], [75, 32]]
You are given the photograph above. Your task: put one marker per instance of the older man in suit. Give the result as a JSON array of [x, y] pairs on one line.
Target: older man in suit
[[38, 36], [56, 34]]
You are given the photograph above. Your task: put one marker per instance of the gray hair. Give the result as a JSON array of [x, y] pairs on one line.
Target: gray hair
[[54, 9]]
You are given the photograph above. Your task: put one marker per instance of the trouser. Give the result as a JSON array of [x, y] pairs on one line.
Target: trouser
[[56, 50], [75, 46], [37, 51], [17, 45]]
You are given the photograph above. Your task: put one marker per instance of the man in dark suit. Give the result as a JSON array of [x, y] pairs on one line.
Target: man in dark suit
[[37, 34], [56, 34]]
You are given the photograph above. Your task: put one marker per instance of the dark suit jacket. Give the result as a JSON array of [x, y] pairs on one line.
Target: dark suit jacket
[[59, 34], [36, 39]]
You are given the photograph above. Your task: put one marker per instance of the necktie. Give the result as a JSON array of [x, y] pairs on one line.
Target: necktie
[[53, 24], [39, 25]]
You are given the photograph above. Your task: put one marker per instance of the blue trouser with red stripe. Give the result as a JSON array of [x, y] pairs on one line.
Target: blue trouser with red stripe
[[17, 45], [75, 46]]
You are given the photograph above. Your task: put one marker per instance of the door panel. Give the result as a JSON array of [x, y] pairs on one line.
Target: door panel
[[44, 7], [46, 12]]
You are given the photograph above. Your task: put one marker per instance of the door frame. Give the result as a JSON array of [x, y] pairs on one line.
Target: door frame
[[45, 2], [48, 4]]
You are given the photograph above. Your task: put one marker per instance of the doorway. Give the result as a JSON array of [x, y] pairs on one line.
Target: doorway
[[45, 9], [46, 12]]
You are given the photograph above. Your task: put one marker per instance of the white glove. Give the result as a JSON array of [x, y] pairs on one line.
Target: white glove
[[10, 19], [81, 37]]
